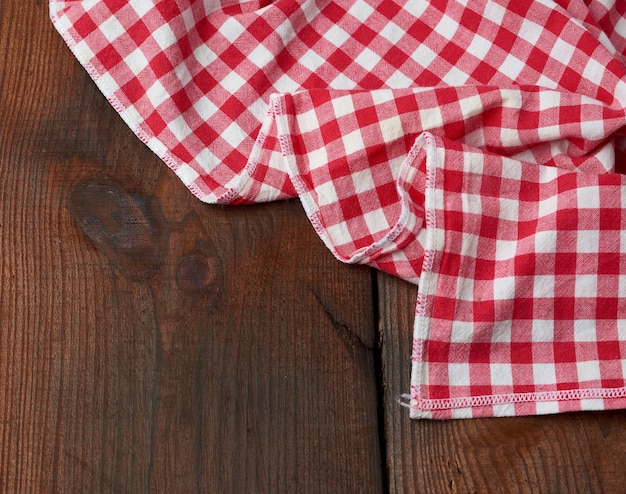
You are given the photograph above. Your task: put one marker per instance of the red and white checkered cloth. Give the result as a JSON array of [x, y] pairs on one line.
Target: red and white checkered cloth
[[473, 148]]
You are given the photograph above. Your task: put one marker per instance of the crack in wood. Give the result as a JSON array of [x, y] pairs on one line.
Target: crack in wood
[[343, 330]]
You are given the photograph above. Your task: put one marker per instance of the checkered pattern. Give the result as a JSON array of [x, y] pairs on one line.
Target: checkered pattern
[[473, 148]]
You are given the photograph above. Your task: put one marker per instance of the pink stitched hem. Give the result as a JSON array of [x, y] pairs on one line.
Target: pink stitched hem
[[515, 404]]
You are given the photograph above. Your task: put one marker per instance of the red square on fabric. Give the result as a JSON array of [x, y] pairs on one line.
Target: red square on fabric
[[609, 350]]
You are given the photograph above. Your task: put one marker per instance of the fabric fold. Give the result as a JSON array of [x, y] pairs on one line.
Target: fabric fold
[[521, 308], [472, 148]]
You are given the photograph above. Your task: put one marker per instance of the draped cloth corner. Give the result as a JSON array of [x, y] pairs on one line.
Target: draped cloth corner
[[472, 148]]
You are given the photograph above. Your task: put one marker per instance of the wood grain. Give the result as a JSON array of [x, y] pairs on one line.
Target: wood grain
[[573, 453], [151, 343]]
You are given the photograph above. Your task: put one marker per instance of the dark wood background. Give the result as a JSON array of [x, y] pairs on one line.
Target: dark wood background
[[152, 343]]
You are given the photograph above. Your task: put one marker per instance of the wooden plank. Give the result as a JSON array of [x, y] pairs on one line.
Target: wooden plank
[[149, 342], [573, 453]]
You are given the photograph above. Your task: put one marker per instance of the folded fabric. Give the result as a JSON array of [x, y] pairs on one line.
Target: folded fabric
[[473, 148]]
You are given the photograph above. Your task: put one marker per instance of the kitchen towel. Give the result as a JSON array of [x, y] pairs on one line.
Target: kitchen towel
[[474, 148]]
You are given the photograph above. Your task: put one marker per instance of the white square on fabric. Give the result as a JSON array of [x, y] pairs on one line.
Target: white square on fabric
[[502, 331], [236, 135], [342, 81], [505, 249], [164, 36], [311, 60], [232, 82], [423, 55], [339, 235], [336, 36], [544, 374], [512, 66], [469, 245], [231, 29], [594, 71], [545, 242], [547, 174], [510, 137], [188, 18], [459, 374], [586, 285], [588, 197], [588, 371], [141, 7], [597, 404], [204, 55], [530, 31], [111, 29], [261, 56], [391, 128], [446, 26], [136, 61], [363, 181], [326, 193], [307, 121], [415, 8], [585, 330], [479, 46], [183, 74], [511, 98], [545, 81], [509, 209], [376, 221], [494, 13], [501, 374], [455, 77], [504, 288], [460, 413], [471, 105], [157, 94], [317, 158], [84, 49], [90, 4], [187, 174], [548, 206], [550, 132], [381, 96], [562, 51], [620, 27], [398, 80], [542, 331], [461, 331], [431, 118], [594, 129], [543, 286], [392, 32], [343, 105], [587, 241], [549, 99], [361, 10], [353, 142], [465, 289]]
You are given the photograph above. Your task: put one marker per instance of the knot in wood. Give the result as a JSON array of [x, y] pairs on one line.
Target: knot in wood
[[195, 272]]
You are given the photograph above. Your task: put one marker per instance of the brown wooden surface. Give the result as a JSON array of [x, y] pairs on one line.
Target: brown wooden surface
[[151, 343]]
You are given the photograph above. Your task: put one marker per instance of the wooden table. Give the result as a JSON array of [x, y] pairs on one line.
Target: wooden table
[[149, 342]]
